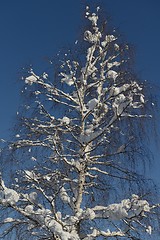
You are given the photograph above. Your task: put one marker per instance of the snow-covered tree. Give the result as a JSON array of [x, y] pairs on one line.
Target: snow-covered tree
[[77, 149]]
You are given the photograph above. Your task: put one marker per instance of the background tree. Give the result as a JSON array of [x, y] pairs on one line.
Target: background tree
[[78, 146]]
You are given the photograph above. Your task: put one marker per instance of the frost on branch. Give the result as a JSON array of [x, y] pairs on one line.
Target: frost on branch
[[78, 145]]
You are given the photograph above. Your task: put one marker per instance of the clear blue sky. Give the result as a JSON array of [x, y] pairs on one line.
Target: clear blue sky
[[35, 30]]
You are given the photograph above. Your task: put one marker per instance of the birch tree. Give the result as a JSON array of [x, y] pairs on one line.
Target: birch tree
[[77, 145]]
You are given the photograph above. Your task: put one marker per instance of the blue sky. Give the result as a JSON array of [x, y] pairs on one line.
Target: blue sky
[[33, 31]]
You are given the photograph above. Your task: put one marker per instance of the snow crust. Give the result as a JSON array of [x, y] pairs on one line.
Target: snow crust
[[92, 104], [67, 78], [111, 74], [31, 79], [8, 196], [66, 120], [64, 196], [127, 208]]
